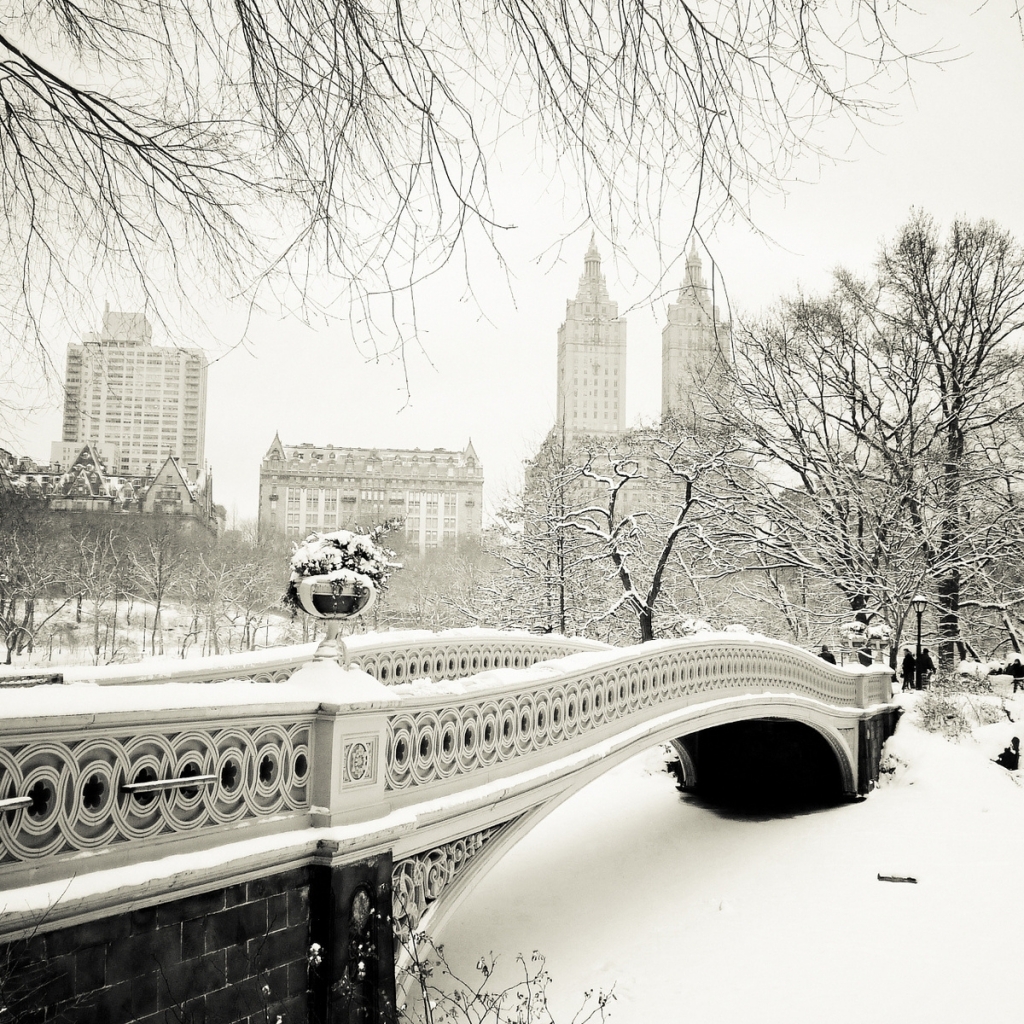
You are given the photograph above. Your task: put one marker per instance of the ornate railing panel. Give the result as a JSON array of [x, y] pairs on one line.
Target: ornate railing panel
[[418, 881], [458, 654], [430, 741], [89, 790]]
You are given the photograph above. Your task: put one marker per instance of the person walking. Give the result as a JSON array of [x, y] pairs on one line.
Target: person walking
[[907, 668], [927, 668], [827, 655], [1017, 671]]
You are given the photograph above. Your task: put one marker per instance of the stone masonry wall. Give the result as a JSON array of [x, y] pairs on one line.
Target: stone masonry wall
[[232, 956]]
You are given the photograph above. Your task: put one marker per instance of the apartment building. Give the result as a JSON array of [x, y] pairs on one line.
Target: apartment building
[[306, 487], [137, 401]]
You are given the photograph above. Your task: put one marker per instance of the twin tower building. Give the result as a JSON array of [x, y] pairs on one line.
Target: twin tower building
[[592, 353]]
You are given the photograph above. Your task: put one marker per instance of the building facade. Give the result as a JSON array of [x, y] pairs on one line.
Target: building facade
[[89, 483], [695, 346], [306, 488], [591, 358], [139, 402]]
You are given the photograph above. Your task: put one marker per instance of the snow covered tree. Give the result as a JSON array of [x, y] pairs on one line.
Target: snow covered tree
[[161, 549], [878, 423], [633, 499], [31, 570], [551, 581]]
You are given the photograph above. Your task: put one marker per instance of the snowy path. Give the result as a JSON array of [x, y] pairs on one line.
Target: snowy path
[[700, 918]]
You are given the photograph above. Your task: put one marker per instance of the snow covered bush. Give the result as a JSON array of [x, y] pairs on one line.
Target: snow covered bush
[[955, 704], [345, 560]]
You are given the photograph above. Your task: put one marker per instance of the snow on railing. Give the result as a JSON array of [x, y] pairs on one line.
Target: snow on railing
[[389, 657], [98, 777], [500, 716]]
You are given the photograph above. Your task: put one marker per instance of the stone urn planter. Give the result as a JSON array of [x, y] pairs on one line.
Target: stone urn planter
[[334, 577], [327, 599]]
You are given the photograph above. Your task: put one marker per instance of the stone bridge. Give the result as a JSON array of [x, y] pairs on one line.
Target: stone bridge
[[193, 843]]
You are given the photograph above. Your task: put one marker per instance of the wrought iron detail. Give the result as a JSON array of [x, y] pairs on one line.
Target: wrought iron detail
[[418, 881]]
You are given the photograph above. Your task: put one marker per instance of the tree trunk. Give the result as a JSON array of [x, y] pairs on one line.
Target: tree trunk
[[156, 621], [96, 631], [646, 626]]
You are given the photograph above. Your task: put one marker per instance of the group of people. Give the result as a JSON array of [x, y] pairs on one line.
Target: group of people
[[909, 668], [916, 674]]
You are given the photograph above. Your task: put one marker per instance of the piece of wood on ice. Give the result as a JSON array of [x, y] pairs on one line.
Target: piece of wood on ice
[[897, 878]]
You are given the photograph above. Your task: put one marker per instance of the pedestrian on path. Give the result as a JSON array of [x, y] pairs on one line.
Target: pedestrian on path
[[907, 669], [927, 668]]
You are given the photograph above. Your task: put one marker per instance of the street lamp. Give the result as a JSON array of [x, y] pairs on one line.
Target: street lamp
[[919, 602]]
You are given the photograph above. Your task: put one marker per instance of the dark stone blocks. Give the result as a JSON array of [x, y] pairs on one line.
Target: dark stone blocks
[[222, 957], [237, 925]]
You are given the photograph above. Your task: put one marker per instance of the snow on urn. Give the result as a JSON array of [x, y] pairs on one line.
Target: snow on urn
[[337, 575]]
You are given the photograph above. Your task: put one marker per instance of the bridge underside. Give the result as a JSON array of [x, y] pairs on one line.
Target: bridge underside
[[761, 764]]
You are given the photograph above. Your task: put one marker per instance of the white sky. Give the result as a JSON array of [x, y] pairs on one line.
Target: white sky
[[955, 147]]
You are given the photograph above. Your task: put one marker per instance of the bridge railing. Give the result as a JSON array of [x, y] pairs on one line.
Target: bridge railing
[[528, 716], [389, 657], [99, 776], [96, 777]]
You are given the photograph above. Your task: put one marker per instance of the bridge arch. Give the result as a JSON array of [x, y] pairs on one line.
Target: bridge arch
[[506, 836]]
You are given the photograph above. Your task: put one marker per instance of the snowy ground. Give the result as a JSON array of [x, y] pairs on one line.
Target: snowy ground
[[699, 917]]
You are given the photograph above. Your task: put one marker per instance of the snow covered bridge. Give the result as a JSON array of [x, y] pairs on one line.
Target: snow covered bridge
[[176, 843]]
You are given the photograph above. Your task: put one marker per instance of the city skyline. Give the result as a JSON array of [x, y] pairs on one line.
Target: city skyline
[[487, 367]]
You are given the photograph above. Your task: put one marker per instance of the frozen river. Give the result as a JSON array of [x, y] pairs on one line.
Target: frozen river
[[700, 917]]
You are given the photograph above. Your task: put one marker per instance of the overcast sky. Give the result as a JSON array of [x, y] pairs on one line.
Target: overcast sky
[[954, 145]]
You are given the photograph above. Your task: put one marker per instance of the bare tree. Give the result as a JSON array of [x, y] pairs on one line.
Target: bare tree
[[183, 142], [877, 423], [638, 498], [160, 551], [960, 303], [552, 577], [31, 569]]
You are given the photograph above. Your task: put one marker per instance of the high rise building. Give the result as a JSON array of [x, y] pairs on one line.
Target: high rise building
[[133, 398], [592, 358], [438, 493], [694, 345]]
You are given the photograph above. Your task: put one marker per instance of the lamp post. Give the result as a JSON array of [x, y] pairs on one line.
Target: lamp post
[[919, 602]]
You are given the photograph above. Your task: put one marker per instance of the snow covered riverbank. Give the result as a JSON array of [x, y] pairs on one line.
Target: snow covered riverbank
[[700, 917]]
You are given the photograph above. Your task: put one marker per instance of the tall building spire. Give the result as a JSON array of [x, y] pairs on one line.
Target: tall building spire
[[592, 287], [694, 277], [592, 357], [695, 346]]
